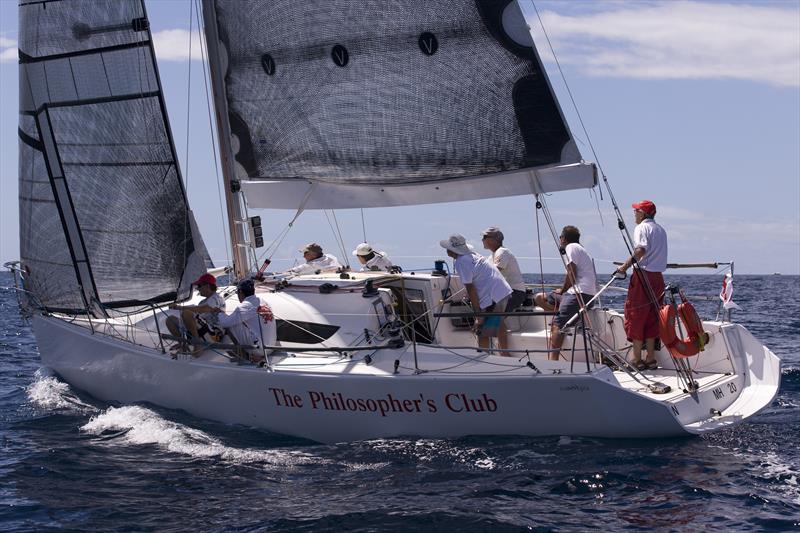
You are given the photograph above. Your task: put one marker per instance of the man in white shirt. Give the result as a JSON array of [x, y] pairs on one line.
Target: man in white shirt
[[507, 264], [486, 287], [646, 288], [579, 286], [316, 261], [371, 259], [197, 320], [251, 323]]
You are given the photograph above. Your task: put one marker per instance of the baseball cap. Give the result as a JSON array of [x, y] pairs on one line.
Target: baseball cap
[[206, 279], [647, 206], [493, 232]]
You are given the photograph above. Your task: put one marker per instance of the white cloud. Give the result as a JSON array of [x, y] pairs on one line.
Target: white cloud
[[8, 55], [8, 50], [173, 45], [679, 40]]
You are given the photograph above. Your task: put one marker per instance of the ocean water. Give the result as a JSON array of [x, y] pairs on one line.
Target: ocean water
[[68, 461]]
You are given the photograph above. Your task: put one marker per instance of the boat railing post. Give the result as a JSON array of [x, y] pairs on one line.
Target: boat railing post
[[414, 348], [88, 316], [572, 351], [263, 345], [154, 308], [587, 348]]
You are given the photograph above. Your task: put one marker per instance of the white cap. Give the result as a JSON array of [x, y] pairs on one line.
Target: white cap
[[363, 249]]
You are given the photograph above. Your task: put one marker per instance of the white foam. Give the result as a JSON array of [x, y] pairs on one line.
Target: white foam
[[48, 392], [141, 426], [429, 450]]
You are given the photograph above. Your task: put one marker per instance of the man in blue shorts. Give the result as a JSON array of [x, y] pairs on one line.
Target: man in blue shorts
[[486, 287]]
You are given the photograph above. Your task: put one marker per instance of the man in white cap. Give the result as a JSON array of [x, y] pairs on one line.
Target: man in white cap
[[507, 264], [371, 259], [316, 261], [486, 287]]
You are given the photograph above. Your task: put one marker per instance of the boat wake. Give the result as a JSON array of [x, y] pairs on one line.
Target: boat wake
[[137, 425], [48, 393]]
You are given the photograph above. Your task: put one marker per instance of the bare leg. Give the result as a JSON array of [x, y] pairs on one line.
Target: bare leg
[[651, 350], [483, 342], [541, 300], [190, 322], [172, 325], [556, 340], [637, 352], [502, 339]]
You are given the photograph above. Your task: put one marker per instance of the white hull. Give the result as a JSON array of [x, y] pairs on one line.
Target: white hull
[[307, 396]]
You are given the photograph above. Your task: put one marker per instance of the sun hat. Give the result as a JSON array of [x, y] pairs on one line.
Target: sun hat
[[457, 244], [312, 247], [493, 232], [206, 279], [646, 206], [363, 249]]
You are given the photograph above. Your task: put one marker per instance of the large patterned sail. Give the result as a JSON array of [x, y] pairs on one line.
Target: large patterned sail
[[345, 103], [103, 215]]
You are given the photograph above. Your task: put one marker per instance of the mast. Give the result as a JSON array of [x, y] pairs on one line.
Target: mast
[[233, 196]]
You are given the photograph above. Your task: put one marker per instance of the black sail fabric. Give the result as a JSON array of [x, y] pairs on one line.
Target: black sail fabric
[[103, 214], [372, 92]]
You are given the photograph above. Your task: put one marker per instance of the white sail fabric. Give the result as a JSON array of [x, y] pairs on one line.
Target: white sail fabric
[[386, 103], [318, 195]]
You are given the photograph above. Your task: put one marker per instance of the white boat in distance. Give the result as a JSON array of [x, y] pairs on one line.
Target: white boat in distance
[[325, 105]]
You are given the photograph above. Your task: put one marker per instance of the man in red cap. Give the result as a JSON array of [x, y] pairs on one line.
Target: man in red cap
[[204, 312], [646, 289]]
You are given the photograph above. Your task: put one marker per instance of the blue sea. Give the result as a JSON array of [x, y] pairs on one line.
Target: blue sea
[[72, 462]]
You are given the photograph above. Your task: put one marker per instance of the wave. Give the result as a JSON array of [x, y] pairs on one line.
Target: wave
[[47, 392], [790, 379], [137, 425]]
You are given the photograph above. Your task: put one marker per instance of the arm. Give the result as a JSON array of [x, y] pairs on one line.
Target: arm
[[472, 292], [232, 319], [195, 308], [500, 261], [569, 279], [638, 253]]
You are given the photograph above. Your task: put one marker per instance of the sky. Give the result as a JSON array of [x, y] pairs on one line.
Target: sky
[[693, 105]]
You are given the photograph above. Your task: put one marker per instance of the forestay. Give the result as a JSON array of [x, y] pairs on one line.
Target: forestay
[[103, 215], [374, 103]]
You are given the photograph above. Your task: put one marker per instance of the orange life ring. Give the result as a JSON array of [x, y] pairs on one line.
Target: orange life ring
[[687, 346]]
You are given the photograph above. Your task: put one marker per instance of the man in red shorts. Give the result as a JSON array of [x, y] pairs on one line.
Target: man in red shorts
[[646, 289]]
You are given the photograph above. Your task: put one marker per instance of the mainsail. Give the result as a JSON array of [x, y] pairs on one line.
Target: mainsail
[[103, 215], [374, 103]]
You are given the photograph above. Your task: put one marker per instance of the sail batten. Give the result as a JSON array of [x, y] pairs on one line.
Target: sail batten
[[103, 214], [383, 94]]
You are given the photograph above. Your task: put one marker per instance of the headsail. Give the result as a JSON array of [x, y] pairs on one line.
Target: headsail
[[373, 103], [103, 214]]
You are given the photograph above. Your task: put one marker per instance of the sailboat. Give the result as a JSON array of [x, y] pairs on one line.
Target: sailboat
[[324, 105]]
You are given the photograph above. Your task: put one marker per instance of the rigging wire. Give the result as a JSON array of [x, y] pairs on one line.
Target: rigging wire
[[541, 261], [276, 242], [188, 97], [337, 234], [212, 130], [363, 226]]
